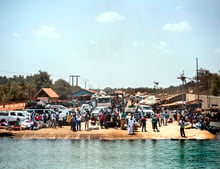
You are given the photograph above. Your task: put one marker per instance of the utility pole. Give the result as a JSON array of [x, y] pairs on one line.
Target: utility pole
[[72, 80], [77, 76], [86, 80], [72, 77], [69, 80], [183, 79], [197, 78]]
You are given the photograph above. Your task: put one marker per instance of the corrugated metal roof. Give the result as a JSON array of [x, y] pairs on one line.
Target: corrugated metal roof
[[83, 92], [91, 91]]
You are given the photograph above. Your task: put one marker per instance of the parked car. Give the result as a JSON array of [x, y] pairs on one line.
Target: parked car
[[12, 116], [86, 106], [96, 112], [27, 115], [26, 124], [58, 107]]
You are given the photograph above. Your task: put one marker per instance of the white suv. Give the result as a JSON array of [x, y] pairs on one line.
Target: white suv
[[12, 116]]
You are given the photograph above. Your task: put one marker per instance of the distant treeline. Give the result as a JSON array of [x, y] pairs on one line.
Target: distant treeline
[[206, 83], [21, 88]]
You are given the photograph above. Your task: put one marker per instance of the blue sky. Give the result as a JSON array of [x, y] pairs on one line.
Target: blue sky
[[111, 43]]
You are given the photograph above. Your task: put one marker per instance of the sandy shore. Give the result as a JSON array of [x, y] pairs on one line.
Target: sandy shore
[[171, 131]]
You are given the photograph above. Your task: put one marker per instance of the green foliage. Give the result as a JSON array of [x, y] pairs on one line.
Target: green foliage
[[62, 88], [42, 80], [19, 88], [215, 85], [208, 83]]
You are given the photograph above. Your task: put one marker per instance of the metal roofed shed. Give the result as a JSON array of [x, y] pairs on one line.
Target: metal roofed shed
[[83, 95]]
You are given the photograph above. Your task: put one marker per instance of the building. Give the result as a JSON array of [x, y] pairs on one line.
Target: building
[[83, 95], [192, 101], [206, 101], [47, 95]]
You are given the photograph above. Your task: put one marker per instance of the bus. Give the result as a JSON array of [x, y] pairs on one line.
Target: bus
[[104, 101]]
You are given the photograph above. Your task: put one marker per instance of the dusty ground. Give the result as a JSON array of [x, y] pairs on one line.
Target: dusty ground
[[166, 132]]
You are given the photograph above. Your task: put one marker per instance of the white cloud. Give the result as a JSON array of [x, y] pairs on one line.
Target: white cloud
[[46, 30], [183, 26], [109, 17], [163, 47], [17, 35]]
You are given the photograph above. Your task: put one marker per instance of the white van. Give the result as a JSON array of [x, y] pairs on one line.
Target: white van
[[12, 116]]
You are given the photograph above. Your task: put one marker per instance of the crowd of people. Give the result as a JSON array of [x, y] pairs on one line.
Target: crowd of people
[[185, 119], [50, 120], [119, 119]]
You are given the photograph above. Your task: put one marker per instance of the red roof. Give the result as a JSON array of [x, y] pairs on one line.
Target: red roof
[[91, 91], [50, 92]]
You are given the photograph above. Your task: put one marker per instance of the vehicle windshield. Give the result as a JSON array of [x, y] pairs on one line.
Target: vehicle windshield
[[147, 108], [103, 100]]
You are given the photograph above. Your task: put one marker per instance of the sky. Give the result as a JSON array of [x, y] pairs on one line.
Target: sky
[[110, 43]]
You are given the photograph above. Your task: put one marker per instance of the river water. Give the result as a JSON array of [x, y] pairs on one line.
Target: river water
[[65, 154]]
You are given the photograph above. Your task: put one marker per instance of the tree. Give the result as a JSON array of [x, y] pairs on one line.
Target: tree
[[215, 85], [62, 88], [4, 93], [204, 76], [42, 80]]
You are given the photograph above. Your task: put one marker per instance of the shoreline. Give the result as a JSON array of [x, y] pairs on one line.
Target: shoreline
[[169, 132]]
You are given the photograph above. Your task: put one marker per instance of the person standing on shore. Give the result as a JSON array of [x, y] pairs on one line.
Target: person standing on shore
[[182, 132], [178, 116], [87, 121], [60, 120], [69, 117], [143, 123], [78, 122], [123, 119], [101, 119], [154, 123], [53, 120], [73, 122], [166, 117], [158, 118], [131, 123], [162, 118]]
